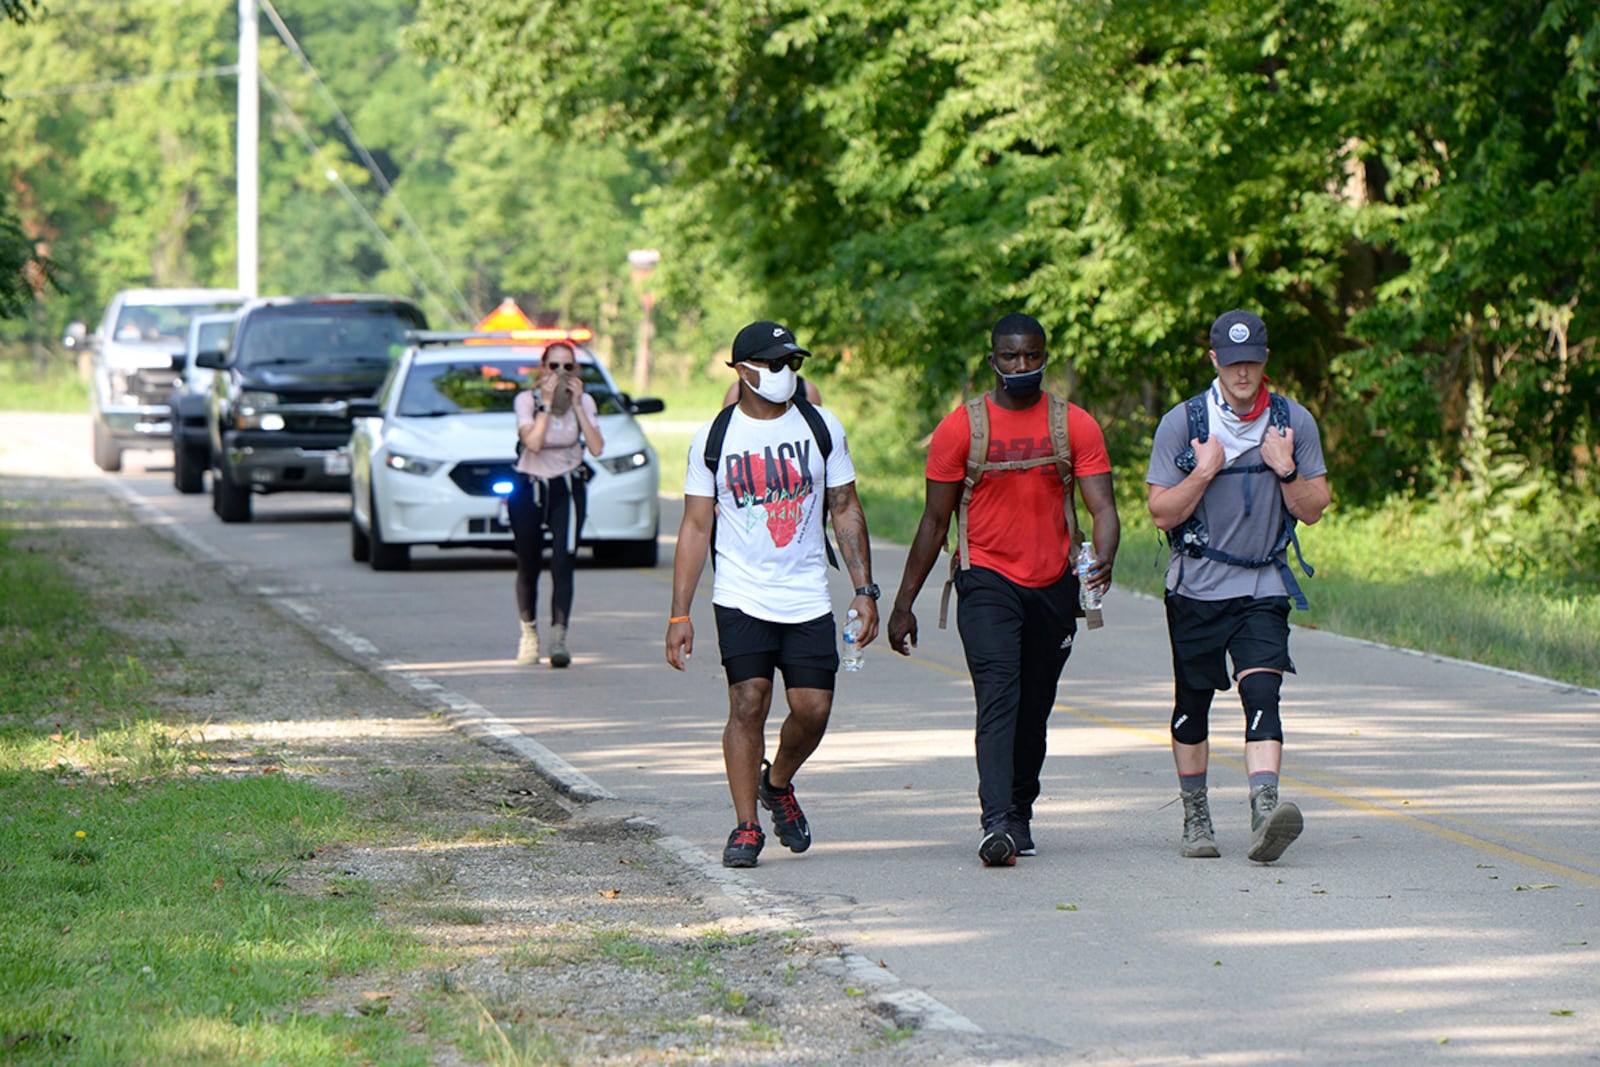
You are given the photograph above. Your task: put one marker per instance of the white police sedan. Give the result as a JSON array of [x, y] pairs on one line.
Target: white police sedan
[[431, 455]]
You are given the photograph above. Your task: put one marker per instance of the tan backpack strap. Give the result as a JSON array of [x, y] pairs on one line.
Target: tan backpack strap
[[977, 455], [1061, 442], [944, 594]]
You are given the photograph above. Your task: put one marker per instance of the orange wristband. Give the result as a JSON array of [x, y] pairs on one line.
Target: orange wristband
[[677, 618]]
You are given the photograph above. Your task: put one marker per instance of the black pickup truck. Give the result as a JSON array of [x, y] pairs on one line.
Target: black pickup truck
[[276, 413]]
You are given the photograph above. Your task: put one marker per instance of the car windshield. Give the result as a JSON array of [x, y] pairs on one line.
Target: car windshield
[[327, 334], [161, 322], [213, 336], [488, 386]]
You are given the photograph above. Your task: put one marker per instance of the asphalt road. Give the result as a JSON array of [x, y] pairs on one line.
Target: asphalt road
[[1442, 906]]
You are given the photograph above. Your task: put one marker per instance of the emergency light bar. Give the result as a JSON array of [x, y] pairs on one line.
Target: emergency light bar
[[542, 335]]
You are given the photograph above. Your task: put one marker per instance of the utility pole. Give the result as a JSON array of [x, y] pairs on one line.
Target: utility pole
[[247, 155]]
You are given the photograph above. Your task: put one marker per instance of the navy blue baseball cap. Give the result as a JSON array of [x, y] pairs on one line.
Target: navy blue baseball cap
[[1239, 337]]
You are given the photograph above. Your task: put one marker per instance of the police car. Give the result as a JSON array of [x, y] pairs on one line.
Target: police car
[[432, 454]]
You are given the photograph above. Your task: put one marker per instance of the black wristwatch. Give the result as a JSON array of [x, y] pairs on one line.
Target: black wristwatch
[[1294, 472], [868, 590]]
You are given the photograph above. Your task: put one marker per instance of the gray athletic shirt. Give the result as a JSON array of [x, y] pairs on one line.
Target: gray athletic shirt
[[1222, 510]]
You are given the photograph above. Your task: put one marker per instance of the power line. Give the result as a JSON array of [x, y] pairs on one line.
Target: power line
[[332, 174], [371, 164]]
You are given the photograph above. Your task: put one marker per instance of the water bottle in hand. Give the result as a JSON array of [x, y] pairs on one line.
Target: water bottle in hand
[[851, 660], [1088, 599]]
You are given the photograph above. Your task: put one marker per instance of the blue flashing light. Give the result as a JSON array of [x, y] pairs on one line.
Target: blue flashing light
[[502, 488]]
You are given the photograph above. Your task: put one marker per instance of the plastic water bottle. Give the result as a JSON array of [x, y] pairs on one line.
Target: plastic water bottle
[[1088, 599], [851, 660]]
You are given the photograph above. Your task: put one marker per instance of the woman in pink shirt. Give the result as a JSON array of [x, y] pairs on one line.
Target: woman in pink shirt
[[555, 423]]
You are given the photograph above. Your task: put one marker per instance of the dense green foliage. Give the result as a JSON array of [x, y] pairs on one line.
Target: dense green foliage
[[1405, 191]]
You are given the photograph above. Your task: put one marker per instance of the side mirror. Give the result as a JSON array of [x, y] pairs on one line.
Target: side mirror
[[179, 360], [647, 405], [75, 337], [211, 359], [363, 409]]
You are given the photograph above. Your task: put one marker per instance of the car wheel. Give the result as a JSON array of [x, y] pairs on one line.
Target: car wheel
[[107, 456], [188, 470], [231, 502], [360, 543], [385, 557]]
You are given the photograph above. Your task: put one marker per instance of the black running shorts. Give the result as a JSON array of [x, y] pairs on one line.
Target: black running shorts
[[753, 648], [1254, 631]]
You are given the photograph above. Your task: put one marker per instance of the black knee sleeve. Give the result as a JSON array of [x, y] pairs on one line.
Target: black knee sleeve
[[1259, 694], [1191, 715]]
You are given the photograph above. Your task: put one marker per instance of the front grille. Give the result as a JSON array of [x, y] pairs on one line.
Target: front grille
[[316, 423], [476, 477], [153, 385]]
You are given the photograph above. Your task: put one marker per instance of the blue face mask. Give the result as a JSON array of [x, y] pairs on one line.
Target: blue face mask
[[1023, 385]]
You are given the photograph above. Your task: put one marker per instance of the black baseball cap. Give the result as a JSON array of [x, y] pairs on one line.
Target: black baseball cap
[[1239, 337], [765, 340]]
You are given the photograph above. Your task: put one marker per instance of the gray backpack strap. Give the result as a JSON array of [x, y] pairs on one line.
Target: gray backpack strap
[[977, 455]]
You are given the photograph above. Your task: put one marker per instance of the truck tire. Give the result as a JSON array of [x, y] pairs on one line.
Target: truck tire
[[231, 502], [188, 470], [107, 456], [385, 557]]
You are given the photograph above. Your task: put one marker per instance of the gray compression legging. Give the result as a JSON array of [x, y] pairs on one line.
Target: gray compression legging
[[535, 504]]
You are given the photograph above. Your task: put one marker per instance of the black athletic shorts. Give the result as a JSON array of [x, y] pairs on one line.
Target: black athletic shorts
[[1253, 630], [754, 648]]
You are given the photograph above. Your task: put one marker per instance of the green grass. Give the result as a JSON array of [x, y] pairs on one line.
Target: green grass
[[54, 387], [1514, 587]]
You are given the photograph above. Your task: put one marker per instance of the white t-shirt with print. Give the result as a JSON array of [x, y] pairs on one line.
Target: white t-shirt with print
[[770, 560]]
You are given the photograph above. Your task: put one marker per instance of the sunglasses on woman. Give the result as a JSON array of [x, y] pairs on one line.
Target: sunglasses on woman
[[562, 366]]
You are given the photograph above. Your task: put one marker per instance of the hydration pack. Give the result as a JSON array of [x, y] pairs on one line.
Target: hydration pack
[[1191, 539]]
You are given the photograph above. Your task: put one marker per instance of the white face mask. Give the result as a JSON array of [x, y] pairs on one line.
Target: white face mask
[[776, 386]]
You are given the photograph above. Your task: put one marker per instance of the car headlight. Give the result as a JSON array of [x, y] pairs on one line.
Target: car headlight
[[411, 464], [249, 414], [624, 464]]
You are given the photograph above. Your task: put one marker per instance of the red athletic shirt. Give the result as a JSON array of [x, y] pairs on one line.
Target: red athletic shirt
[[1016, 523]]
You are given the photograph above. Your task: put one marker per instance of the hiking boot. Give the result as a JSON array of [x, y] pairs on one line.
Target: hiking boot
[[559, 656], [788, 821], [998, 849], [1273, 825], [1022, 837], [528, 645], [1199, 840], [744, 845]]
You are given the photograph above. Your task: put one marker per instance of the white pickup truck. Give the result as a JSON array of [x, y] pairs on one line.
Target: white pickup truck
[[137, 353]]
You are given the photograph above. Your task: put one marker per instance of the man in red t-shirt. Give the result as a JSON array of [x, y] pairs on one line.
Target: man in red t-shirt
[[1018, 609]]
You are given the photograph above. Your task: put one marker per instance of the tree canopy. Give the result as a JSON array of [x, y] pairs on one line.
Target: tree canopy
[[1406, 192]]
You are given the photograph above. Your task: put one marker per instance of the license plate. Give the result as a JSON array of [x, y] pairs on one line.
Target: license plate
[[336, 463]]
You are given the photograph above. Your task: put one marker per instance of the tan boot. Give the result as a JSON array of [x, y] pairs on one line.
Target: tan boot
[[559, 656], [528, 645]]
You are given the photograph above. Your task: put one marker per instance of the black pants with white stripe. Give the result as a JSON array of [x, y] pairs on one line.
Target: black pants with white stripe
[[1017, 640], [537, 504]]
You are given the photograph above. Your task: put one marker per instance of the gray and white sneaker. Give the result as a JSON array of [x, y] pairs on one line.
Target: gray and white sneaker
[[1199, 839], [1273, 824]]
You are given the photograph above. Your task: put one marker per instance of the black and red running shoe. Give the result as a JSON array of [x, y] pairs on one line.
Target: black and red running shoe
[[788, 821], [744, 845]]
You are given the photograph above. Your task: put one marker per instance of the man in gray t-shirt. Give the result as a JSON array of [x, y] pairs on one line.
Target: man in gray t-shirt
[[1223, 502]]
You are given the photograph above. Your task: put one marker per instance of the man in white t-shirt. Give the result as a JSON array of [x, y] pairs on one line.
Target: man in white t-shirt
[[766, 502]]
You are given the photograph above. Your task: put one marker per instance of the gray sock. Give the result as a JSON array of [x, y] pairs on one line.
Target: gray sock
[[1261, 778], [1192, 783]]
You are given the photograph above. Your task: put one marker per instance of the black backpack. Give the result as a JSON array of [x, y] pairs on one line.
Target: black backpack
[[819, 431]]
